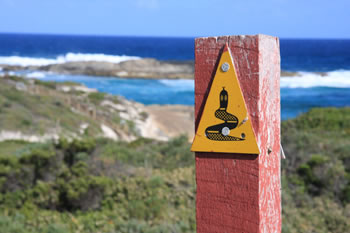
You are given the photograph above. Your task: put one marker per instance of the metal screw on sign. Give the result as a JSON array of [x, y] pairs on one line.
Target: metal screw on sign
[[225, 67], [225, 131]]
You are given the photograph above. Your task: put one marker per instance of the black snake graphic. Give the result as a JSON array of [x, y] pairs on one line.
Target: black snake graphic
[[221, 132]]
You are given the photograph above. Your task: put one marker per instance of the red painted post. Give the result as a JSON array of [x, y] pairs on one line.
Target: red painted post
[[237, 192]]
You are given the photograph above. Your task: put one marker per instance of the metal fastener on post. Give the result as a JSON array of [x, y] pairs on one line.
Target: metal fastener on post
[[225, 67]]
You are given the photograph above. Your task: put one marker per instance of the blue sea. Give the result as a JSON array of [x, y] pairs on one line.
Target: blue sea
[[323, 67]]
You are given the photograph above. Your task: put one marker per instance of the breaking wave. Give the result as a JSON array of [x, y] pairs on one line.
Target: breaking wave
[[69, 57], [179, 84], [335, 79]]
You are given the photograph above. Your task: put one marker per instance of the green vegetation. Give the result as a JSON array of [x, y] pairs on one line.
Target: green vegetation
[[38, 109], [96, 97], [97, 185], [50, 85], [316, 173]]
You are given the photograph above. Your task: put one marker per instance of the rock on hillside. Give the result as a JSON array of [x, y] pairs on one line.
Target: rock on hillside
[[155, 121]]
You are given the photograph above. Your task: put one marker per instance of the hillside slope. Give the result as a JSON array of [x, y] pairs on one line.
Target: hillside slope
[[34, 111]]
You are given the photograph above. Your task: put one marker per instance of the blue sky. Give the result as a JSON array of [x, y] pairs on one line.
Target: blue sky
[[189, 18]]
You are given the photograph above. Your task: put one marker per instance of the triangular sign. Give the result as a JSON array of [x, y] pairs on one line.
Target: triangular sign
[[225, 125]]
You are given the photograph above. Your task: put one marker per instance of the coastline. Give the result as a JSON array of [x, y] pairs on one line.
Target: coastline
[[145, 68]]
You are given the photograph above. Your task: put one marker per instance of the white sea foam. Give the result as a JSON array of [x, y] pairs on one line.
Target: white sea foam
[[36, 74], [179, 84], [337, 79], [69, 57], [26, 61]]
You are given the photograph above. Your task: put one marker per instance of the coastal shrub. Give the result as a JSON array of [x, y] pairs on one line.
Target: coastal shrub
[[144, 115], [2, 107], [320, 175], [58, 103], [131, 127], [19, 223], [96, 97], [141, 142], [343, 151], [50, 85], [12, 95], [7, 164], [99, 185], [345, 195], [7, 105], [150, 153], [26, 122], [76, 150], [13, 78], [45, 195], [43, 162], [69, 83], [82, 193], [116, 119], [114, 98], [12, 225], [119, 151], [323, 119], [176, 153]]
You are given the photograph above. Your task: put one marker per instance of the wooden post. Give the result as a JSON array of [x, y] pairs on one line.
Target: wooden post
[[240, 192]]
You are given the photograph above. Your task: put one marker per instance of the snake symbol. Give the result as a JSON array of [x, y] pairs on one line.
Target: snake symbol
[[221, 132]]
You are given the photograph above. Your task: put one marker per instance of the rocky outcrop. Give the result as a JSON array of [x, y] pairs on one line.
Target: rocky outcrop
[[17, 135], [141, 68], [160, 122]]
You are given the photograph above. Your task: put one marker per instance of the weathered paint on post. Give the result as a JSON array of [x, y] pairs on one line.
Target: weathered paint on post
[[236, 192]]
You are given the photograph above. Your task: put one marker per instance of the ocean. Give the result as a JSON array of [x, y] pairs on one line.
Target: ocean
[[322, 66]]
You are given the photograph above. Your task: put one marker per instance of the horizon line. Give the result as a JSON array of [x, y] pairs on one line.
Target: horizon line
[[158, 36]]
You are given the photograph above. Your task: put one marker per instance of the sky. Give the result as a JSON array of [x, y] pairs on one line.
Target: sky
[[180, 18]]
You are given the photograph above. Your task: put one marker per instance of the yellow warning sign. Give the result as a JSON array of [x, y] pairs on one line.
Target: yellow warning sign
[[225, 125]]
